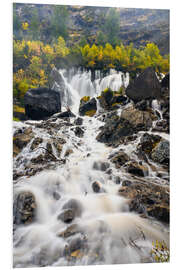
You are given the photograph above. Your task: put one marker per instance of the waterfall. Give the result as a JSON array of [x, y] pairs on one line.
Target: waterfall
[[112, 233]]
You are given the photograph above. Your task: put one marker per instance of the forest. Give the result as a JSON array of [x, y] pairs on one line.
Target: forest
[[40, 43]]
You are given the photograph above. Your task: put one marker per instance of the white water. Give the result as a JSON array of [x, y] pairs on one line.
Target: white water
[[128, 238]]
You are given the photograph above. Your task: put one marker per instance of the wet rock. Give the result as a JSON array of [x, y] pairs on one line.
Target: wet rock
[[36, 143], [166, 81], [88, 108], [147, 143], [117, 180], [96, 187], [41, 103], [145, 86], [105, 99], [75, 206], [160, 212], [77, 243], [78, 121], [141, 120], [142, 105], [148, 198], [56, 195], [160, 153], [24, 208], [109, 171], [20, 141], [66, 114], [101, 166], [69, 231], [68, 152], [119, 159], [162, 126], [66, 216], [79, 132], [126, 183], [137, 169]]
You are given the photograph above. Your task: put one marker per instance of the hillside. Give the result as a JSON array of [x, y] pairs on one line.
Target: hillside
[[135, 25]]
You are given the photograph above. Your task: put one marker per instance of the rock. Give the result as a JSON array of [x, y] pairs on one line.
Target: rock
[[69, 231], [41, 103], [160, 212], [67, 114], [145, 86], [160, 153], [120, 158], [126, 183], [78, 121], [20, 140], [96, 187], [89, 108], [36, 142], [117, 180], [101, 166], [105, 99], [75, 206], [68, 152], [137, 169], [165, 81], [79, 132], [119, 100], [24, 208], [113, 131], [66, 216], [141, 120], [142, 105], [147, 198], [56, 195]]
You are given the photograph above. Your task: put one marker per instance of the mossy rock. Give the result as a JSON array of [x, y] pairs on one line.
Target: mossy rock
[[90, 113], [84, 99]]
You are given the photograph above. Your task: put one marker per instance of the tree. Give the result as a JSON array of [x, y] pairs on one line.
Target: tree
[[111, 26]]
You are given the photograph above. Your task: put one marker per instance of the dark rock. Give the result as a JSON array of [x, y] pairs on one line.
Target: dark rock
[[120, 159], [148, 198], [126, 183], [96, 187], [75, 206], [89, 108], [109, 171], [79, 132], [20, 140], [160, 153], [105, 99], [78, 121], [101, 166], [142, 105], [69, 231], [165, 81], [117, 180], [160, 212], [41, 103], [24, 208], [145, 86], [137, 169], [56, 195], [119, 99], [67, 114], [66, 216]]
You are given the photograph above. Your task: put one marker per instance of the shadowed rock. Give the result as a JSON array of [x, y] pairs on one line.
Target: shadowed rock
[[145, 86]]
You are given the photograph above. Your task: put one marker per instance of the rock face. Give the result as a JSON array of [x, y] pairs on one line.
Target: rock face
[[145, 86], [88, 108], [41, 103], [24, 208]]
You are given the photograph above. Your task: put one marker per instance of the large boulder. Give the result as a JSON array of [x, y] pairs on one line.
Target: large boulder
[[145, 86], [41, 103], [160, 153], [88, 108]]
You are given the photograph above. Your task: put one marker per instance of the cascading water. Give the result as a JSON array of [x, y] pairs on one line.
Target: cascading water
[[105, 228]]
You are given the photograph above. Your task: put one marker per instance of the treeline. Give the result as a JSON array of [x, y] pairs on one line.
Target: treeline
[[33, 60]]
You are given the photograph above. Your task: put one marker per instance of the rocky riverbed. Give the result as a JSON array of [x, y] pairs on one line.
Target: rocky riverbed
[[93, 187]]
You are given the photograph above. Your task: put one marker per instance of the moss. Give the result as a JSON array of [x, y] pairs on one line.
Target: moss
[[106, 90], [99, 97], [116, 103], [19, 109], [85, 99], [90, 113], [16, 119]]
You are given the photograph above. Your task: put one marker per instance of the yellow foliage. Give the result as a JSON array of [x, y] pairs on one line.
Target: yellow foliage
[[90, 113]]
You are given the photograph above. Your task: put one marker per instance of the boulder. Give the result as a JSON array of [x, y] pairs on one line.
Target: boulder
[[65, 114], [148, 199], [24, 208], [96, 187], [41, 103], [101, 166], [137, 169], [66, 216], [79, 132], [78, 121], [119, 159], [160, 153], [145, 86], [88, 108], [147, 143], [75, 206]]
